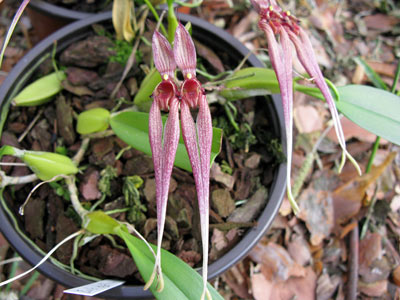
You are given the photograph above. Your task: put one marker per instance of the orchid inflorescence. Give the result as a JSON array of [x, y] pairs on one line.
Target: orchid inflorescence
[[275, 21], [169, 95]]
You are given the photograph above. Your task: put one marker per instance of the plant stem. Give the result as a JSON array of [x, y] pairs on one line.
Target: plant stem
[[353, 265], [156, 16], [29, 284], [73, 192], [370, 212], [373, 153], [81, 152], [43, 259], [396, 78], [10, 180]]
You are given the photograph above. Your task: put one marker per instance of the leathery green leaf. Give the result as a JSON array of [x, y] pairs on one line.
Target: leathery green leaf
[[93, 120], [181, 281], [149, 83], [250, 82], [47, 165], [133, 128], [40, 91], [373, 109]]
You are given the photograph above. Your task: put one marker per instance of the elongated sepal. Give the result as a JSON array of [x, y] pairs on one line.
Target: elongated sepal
[[185, 52], [163, 56], [163, 150], [281, 60], [261, 5], [306, 56], [198, 144]]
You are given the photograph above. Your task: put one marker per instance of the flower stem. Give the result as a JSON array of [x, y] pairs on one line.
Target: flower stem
[[73, 192], [70, 237], [156, 16], [373, 153]]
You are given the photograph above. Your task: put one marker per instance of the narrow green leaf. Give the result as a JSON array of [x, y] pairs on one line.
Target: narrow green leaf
[[372, 75], [10, 31], [133, 128], [261, 80], [181, 281], [41, 90], [373, 109], [149, 83]]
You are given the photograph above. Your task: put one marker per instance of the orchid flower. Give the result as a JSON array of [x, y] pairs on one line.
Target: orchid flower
[[197, 137], [274, 21]]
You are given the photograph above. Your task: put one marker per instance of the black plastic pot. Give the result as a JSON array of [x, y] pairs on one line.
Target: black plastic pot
[[47, 18], [205, 33]]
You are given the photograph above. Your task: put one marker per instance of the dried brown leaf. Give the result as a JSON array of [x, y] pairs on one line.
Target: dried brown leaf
[[347, 198], [300, 288], [276, 263], [316, 210]]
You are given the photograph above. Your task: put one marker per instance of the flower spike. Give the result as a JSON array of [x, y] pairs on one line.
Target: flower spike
[[275, 21], [163, 149], [197, 137]]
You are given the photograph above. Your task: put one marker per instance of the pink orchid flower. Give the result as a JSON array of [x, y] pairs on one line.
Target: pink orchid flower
[[197, 137], [274, 21]]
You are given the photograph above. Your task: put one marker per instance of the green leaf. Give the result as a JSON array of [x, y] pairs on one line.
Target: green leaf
[[181, 281], [133, 128], [41, 90], [372, 75], [93, 120], [250, 82], [7, 150], [373, 109], [149, 83]]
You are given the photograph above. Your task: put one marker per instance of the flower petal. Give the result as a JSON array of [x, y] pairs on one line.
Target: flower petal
[[163, 160], [198, 145], [281, 60], [262, 5], [306, 56], [163, 55], [204, 133], [185, 52]]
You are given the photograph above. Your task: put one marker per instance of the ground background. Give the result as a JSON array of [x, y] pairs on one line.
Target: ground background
[[308, 256]]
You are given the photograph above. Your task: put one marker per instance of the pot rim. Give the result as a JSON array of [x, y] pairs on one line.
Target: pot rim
[[238, 252], [56, 11]]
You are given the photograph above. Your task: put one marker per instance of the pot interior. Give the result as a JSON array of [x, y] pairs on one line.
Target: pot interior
[[206, 34]]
